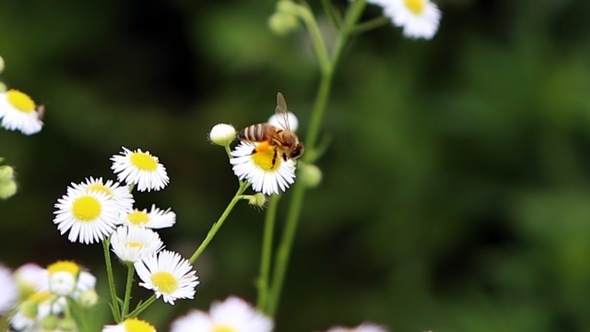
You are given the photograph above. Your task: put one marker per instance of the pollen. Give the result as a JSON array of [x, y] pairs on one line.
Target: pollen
[[138, 325], [64, 266], [165, 282], [415, 6], [138, 218], [101, 189], [20, 101], [144, 161], [265, 157], [86, 208]]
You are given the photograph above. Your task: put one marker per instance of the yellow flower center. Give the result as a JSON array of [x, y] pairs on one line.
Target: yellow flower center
[[64, 266], [133, 244], [222, 328], [138, 218], [165, 282], [415, 6], [20, 101], [144, 161], [86, 208], [101, 188], [137, 325], [265, 155]]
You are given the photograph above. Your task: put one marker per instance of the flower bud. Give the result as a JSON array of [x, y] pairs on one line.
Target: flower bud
[[283, 23], [222, 134], [257, 200], [49, 323], [7, 189], [29, 308], [1, 64], [6, 173], [88, 298], [309, 174], [2, 87]]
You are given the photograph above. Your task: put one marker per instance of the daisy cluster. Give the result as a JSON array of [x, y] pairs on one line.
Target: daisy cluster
[[97, 210], [18, 111], [418, 18], [46, 294]]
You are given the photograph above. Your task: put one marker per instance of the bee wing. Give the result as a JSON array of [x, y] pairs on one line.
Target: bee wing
[[282, 112]]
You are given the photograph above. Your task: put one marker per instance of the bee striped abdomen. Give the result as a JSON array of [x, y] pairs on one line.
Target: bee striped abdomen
[[253, 133]]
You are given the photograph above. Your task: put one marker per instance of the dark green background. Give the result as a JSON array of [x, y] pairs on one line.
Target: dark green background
[[456, 188]]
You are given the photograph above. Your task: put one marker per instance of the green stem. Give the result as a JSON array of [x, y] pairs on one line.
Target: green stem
[[217, 225], [110, 277], [316, 36], [266, 253], [327, 75], [128, 286], [284, 250], [142, 306]]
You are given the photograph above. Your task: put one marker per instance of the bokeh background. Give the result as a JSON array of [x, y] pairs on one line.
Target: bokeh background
[[456, 191]]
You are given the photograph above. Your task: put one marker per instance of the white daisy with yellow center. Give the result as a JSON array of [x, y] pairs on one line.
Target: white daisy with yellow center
[[19, 112], [67, 278], [114, 191], [141, 169], [132, 243], [231, 315], [168, 275], [130, 325], [418, 18], [155, 218], [89, 216], [9, 292], [263, 166], [365, 327]]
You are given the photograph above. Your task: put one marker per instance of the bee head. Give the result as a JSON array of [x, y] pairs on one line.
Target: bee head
[[297, 151]]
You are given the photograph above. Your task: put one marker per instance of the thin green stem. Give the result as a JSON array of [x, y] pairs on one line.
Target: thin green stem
[[217, 225], [141, 307], [315, 33], [110, 277], [284, 250], [266, 253], [327, 69], [128, 286]]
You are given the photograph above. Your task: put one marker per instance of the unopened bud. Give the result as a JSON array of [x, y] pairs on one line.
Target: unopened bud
[[6, 173], [222, 134], [1, 64], [309, 174], [283, 23], [88, 298], [257, 199], [49, 323], [29, 308], [67, 324], [7, 189]]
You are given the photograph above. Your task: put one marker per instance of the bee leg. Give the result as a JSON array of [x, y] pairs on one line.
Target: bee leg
[[274, 158], [285, 157]]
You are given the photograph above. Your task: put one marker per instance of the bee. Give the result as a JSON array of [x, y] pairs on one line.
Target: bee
[[284, 142]]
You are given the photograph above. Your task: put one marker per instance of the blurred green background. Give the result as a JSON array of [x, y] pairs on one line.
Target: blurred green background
[[456, 192]]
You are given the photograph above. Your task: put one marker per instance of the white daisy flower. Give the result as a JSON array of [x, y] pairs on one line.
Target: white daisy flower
[[233, 314], [364, 327], [132, 243], [168, 275], [19, 112], [222, 134], [140, 168], [155, 218], [9, 292], [35, 308], [89, 216], [66, 278], [119, 194], [30, 278], [262, 166], [418, 18], [130, 325]]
